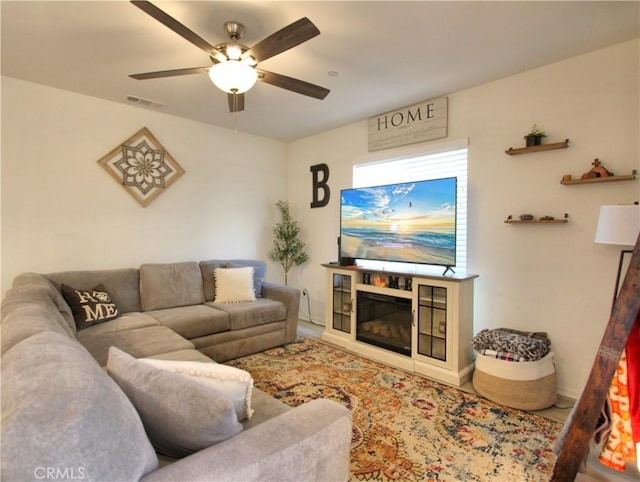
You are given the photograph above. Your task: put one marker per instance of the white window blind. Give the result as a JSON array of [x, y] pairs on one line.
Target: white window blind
[[435, 165]]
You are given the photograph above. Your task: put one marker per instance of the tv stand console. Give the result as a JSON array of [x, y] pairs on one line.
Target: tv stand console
[[421, 323]]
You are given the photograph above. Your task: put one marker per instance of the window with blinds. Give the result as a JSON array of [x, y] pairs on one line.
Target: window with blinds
[[434, 165]]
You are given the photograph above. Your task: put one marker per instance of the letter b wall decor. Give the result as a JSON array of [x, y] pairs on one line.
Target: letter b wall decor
[[320, 184]]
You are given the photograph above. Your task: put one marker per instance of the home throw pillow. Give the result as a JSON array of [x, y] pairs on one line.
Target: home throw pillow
[[90, 307], [180, 415], [234, 285], [233, 383]]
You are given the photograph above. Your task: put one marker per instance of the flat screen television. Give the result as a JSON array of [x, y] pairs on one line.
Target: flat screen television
[[411, 222]]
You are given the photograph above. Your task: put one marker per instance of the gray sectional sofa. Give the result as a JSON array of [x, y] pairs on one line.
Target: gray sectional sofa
[[65, 418]]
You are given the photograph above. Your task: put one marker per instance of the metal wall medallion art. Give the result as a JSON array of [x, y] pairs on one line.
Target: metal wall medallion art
[[142, 166]]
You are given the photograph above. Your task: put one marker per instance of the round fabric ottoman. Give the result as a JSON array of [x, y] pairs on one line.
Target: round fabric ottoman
[[529, 385]]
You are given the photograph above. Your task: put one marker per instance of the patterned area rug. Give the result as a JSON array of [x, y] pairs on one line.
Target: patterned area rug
[[405, 427]]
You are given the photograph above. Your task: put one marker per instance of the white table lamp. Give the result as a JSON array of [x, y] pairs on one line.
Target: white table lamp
[[619, 225]]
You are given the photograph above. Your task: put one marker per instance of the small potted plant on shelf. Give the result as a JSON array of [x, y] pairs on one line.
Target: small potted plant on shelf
[[534, 137]]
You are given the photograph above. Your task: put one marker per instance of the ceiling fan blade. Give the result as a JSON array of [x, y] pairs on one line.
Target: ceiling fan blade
[[294, 85], [168, 21], [170, 73], [284, 39], [236, 102]]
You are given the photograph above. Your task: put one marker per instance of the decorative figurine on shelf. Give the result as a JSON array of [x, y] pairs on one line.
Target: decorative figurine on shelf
[[598, 170], [379, 281], [534, 137]]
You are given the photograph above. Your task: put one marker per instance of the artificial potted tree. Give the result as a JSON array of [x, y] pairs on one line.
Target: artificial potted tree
[[534, 137], [288, 249]]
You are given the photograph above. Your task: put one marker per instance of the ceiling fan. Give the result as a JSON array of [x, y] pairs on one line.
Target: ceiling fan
[[234, 68]]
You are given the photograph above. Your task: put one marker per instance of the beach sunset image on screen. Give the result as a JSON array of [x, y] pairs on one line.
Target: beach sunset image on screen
[[413, 222]]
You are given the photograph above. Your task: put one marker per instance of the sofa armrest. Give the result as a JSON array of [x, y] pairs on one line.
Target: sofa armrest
[[311, 442], [291, 299]]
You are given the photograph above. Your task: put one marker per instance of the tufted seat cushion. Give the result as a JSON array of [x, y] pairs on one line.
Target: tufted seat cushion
[[252, 313], [128, 321], [138, 342], [193, 321]]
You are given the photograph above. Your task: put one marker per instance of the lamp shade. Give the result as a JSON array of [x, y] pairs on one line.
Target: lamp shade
[[233, 76], [618, 224]]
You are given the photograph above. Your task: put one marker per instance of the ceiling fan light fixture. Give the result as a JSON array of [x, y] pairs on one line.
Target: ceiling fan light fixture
[[249, 60], [234, 52], [234, 64], [233, 76]]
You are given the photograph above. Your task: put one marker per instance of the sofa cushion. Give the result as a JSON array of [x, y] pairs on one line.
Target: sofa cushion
[[208, 267], [180, 415], [234, 285], [29, 318], [193, 321], [127, 321], [38, 286], [259, 270], [189, 354], [90, 307], [234, 384], [123, 285], [59, 409], [170, 285], [208, 282], [139, 342], [255, 313], [265, 407]]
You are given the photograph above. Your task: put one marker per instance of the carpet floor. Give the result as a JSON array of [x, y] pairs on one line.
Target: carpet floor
[[405, 427]]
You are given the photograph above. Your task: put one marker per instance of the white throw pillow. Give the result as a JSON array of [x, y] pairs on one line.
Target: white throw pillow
[[234, 285], [235, 384]]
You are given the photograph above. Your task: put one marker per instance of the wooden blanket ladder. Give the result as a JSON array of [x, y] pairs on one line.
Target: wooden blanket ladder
[[580, 426]]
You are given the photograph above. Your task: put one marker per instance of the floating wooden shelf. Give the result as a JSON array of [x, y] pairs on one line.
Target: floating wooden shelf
[[543, 147], [565, 219], [591, 180]]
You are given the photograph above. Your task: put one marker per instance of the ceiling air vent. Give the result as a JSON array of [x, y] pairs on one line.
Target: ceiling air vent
[[146, 102]]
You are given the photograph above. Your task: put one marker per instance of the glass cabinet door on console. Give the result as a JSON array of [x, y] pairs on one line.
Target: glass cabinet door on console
[[432, 321], [342, 302]]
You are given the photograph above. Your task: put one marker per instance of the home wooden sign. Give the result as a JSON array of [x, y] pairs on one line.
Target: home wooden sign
[[419, 122]]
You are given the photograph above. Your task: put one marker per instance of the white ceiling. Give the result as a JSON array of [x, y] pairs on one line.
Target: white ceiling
[[387, 54]]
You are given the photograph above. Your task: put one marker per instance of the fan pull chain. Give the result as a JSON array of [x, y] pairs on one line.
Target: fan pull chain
[[235, 122]]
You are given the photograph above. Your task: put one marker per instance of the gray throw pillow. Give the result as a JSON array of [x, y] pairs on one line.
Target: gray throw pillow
[[259, 270], [180, 415], [61, 411], [208, 282]]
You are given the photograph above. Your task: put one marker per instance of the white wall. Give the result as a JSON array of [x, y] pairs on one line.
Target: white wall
[[61, 210], [549, 278]]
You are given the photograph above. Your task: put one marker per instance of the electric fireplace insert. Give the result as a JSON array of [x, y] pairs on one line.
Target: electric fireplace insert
[[384, 321]]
